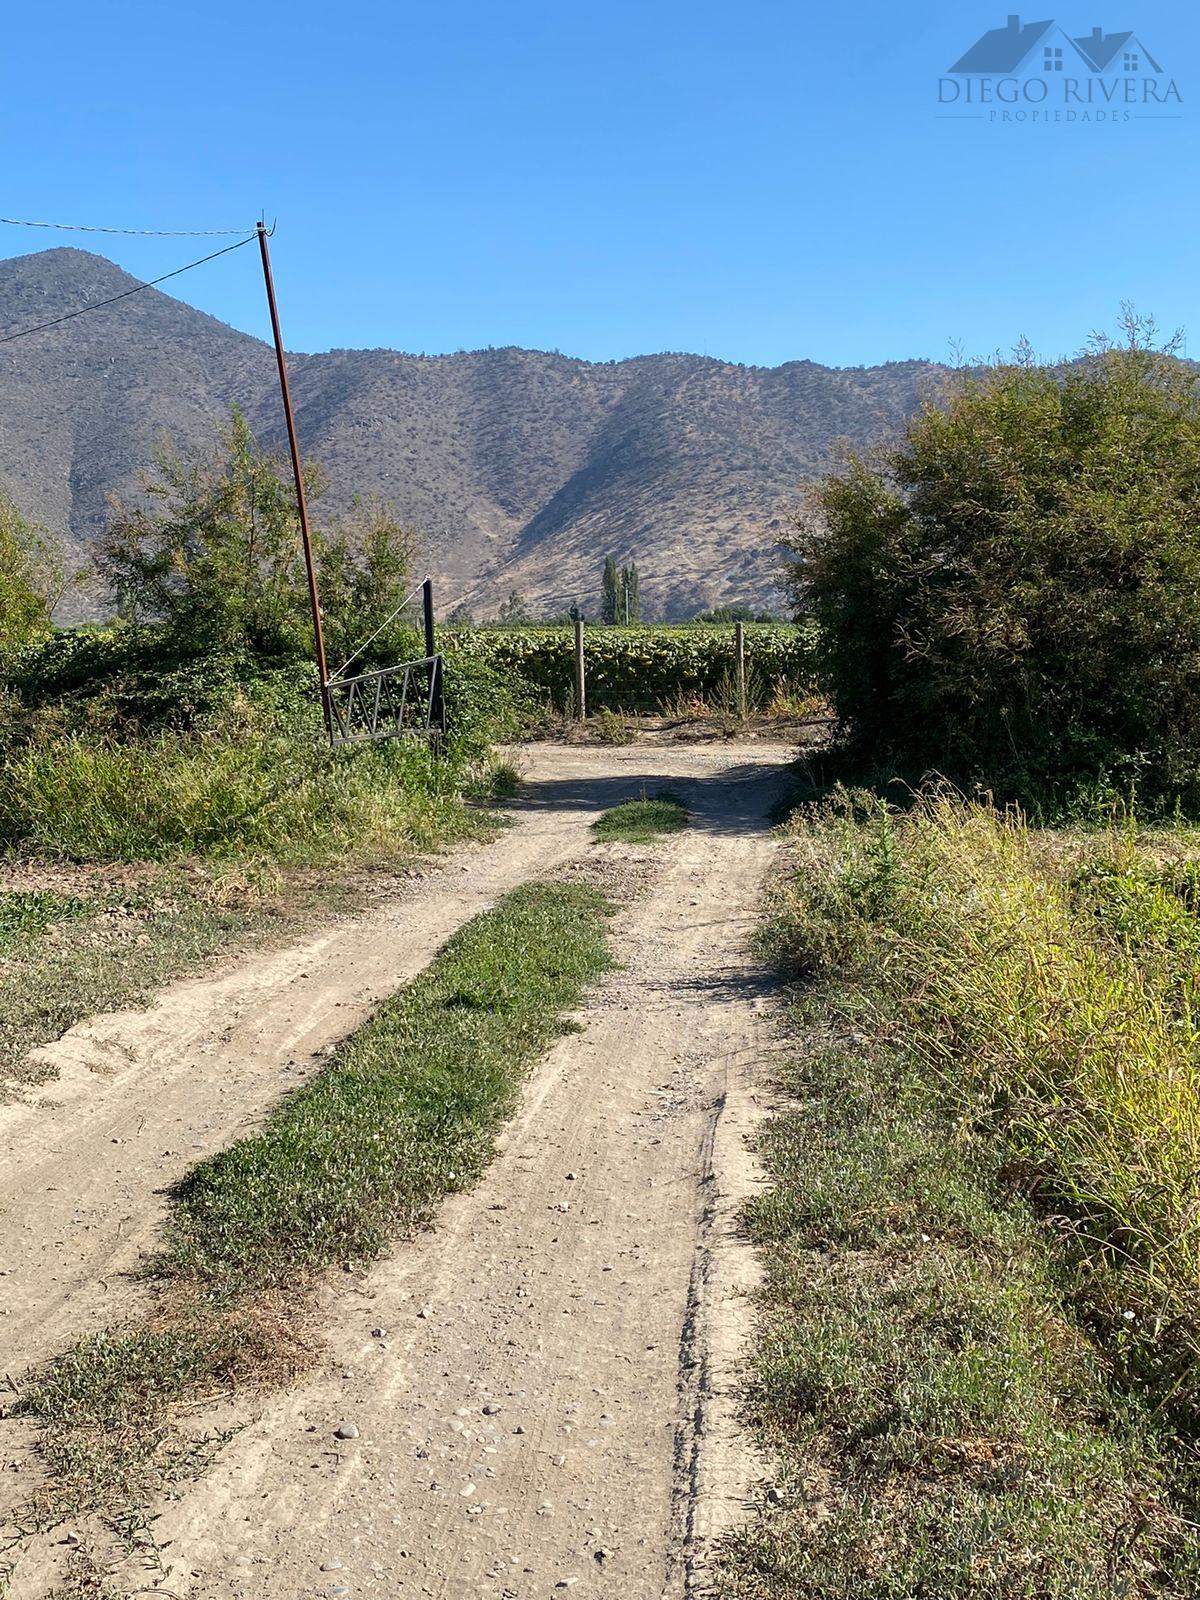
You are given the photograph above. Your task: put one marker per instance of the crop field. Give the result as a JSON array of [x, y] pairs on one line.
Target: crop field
[[651, 668]]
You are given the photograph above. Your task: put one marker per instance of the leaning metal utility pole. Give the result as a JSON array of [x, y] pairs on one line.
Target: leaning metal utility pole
[[298, 474]]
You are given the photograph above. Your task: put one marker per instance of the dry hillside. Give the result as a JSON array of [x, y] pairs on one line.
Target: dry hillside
[[522, 469]]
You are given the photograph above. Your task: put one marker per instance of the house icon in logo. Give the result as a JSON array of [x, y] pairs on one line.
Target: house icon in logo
[[1004, 50], [1120, 52]]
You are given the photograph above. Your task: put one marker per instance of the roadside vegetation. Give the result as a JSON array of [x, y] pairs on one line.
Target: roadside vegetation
[[1006, 596], [639, 821], [32, 579], [980, 1351], [405, 1113], [191, 729], [978, 1363], [165, 784]]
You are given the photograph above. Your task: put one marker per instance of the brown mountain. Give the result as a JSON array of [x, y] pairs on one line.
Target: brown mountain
[[522, 469]]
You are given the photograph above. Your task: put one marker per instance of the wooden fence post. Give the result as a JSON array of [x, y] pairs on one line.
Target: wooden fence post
[[580, 686], [739, 651]]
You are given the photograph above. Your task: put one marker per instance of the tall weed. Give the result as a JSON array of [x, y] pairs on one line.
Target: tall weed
[[1047, 984], [244, 792]]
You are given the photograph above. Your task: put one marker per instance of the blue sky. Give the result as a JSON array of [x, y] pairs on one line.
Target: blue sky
[[756, 181]]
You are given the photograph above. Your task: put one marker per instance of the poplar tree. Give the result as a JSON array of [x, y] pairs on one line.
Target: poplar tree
[[631, 605], [612, 595]]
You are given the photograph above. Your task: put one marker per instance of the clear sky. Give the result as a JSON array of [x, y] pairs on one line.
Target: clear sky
[[755, 180]]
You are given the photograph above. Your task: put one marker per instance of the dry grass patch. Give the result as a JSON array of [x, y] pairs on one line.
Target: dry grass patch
[[979, 1362]]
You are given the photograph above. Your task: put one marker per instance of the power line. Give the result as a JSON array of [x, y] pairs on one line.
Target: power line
[[95, 305], [144, 233]]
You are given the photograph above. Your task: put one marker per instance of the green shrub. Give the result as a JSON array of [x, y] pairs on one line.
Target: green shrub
[[211, 550], [26, 913], [31, 580], [141, 679], [123, 743], [484, 702], [240, 792], [1010, 594]]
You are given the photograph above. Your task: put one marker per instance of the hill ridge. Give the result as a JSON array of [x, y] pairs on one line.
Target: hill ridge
[[522, 468]]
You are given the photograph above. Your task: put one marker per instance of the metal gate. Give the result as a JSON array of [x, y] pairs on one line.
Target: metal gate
[[388, 703]]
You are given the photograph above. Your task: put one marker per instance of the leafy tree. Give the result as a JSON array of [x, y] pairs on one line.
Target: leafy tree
[[462, 616], [739, 611], [514, 612], [1011, 593], [364, 566], [31, 579], [212, 550], [610, 590], [630, 602]]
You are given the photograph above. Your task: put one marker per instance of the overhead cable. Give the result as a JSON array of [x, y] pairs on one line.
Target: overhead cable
[[143, 233], [95, 305]]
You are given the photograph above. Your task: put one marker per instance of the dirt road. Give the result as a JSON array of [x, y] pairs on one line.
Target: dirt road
[[547, 1406]]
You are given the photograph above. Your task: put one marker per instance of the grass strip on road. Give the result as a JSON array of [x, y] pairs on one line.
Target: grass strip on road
[[639, 821], [405, 1113]]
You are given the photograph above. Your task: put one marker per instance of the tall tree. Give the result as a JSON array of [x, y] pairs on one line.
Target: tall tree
[[1008, 595], [612, 591], [631, 604], [514, 613], [211, 549]]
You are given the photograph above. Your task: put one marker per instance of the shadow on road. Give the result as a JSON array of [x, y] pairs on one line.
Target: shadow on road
[[735, 799]]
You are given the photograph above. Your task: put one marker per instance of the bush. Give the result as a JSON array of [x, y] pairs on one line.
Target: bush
[[120, 746], [31, 580], [1010, 595], [141, 679], [212, 553], [241, 793], [485, 703]]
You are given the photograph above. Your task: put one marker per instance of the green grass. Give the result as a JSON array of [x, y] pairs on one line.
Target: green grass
[[942, 1425], [638, 821], [980, 1359], [246, 793], [24, 914], [124, 744], [405, 1113], [1045, 981]]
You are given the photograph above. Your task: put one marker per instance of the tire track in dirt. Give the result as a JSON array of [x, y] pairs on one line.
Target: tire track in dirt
[[536, 1416]]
